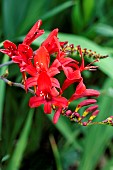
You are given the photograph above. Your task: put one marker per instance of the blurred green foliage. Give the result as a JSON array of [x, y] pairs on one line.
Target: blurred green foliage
[[26, 135]]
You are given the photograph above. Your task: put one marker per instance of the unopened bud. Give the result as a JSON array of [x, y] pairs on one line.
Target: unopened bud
[[91, 92], [92, 108], [86, 102], [95, 113], [76, 114], [84, 123], [68, 113]]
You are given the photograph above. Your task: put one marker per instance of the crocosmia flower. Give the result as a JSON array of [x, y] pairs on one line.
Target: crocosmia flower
[[42, 68]]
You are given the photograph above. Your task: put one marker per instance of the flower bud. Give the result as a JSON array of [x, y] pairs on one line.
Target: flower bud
[[86, 102], [92, 108]]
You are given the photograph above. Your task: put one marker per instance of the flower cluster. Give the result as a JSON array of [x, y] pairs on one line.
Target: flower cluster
[[40, 68]]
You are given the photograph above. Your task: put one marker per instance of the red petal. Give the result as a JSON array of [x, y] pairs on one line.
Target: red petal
[[55, 82], [80, 88], [33, 33], [47, 107], [74, 65], [54, 92], [31, 70], [80, 91], [53, 71], [42, 59], [57, 45], [25, 51], [6, 51], [70, 74], [72, 77], [30, 82], [10, 48], [50, 37], [9, 45], [86, 93], [68, 71], [60, 101], [44, 82], [56, 63], [75, 75], [17, 59], [67, 83], [67, 60], [36, 101], [51, 44], [56, 115]]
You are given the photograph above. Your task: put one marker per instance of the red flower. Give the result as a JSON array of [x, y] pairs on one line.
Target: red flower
[[51, 43], [41, 63], [85, 93], [89, 66], [42, 71], [57, 115], [34, 33], [23, 53], [73, 71], [10, 48], [47, 95]]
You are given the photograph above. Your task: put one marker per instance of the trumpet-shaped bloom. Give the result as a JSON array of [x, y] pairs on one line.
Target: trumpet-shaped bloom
[[47, 95], [23, 53], [41, 63]]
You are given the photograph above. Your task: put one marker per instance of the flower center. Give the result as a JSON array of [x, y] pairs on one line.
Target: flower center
[[48, 97]]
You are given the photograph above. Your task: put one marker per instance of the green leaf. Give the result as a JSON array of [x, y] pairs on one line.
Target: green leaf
[[57, 10], [35, 10], [104, 30], [2, 91], [11, 11], [65, 129], [55, 152], [77, 17], [88, 8], [15, 161], [36, 132], [16, 22]]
